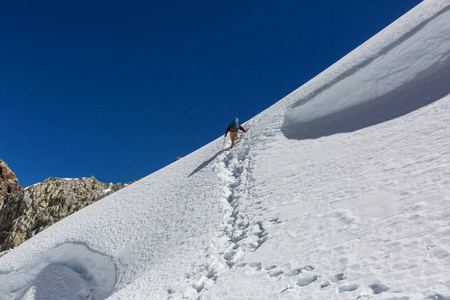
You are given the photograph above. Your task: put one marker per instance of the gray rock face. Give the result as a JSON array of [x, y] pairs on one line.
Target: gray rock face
[[8, 180], [25, 213]]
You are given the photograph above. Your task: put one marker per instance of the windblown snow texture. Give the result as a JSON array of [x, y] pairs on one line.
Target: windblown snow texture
[[339, 191]]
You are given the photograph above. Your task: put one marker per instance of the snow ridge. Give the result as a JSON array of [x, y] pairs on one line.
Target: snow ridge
[[419, 53]]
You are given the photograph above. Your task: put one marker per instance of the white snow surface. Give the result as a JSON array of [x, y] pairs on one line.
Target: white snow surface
[[341, 190]]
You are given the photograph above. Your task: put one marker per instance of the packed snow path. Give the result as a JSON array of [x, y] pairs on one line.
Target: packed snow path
[[362, 211]]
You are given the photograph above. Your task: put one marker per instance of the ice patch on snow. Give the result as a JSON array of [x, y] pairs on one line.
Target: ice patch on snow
[[70, 271]]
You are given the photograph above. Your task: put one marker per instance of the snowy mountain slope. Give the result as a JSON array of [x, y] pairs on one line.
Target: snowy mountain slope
[[350, 215], [360, 211]]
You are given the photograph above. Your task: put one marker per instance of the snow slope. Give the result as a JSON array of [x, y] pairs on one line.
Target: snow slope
[[338, 191]]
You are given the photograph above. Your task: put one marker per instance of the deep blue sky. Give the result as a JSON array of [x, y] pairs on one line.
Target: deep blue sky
[[119, 89]]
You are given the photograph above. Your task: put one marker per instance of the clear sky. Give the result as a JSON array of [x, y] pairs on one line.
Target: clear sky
[[119, 89]]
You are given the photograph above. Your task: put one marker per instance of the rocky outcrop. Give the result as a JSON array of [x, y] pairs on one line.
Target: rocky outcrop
[[25, 213], [8, 180]]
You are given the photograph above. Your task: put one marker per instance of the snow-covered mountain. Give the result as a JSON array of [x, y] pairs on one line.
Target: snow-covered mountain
[[341, 190]]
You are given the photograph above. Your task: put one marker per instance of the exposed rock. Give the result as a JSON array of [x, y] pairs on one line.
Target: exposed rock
[[8, 180], [25, 213]]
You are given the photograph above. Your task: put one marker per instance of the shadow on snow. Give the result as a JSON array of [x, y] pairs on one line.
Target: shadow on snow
[[207, 162], [426, 88]]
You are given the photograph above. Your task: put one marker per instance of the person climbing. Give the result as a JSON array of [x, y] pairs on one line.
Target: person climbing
[[233, 128]]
